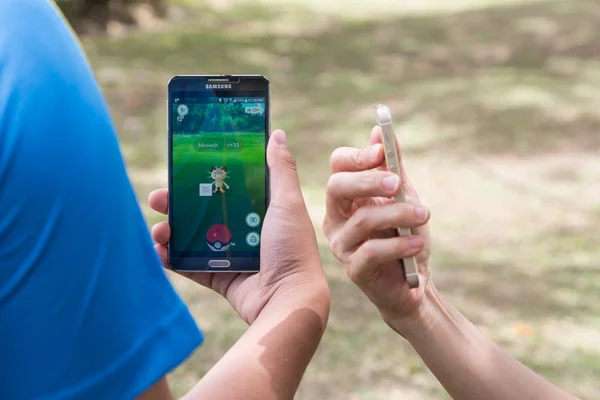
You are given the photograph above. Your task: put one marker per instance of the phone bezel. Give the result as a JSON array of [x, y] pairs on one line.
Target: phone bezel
[[197, 83]]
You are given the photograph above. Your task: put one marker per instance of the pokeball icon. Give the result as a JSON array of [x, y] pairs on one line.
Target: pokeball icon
[[218, 237]]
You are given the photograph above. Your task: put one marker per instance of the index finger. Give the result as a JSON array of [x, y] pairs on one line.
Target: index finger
[[159, 201], [350, 159], [376, 137]]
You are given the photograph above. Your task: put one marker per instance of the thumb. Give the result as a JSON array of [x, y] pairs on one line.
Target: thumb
[[283, 177]]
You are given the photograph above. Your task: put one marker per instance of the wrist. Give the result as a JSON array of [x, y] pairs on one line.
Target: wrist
[[419, 323], [314, 296]]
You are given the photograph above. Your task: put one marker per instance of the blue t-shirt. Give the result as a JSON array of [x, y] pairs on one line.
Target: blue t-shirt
[[86, 311]]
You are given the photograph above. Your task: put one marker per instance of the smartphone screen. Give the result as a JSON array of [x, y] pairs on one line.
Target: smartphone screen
[[218, 176]]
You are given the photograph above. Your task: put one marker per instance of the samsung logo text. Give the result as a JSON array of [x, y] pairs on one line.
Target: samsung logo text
[[218, 85]]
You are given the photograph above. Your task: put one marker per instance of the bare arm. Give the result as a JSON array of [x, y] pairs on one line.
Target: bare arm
[[467, 363], [269, 360]]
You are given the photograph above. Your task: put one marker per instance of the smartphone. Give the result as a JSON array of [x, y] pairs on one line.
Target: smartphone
[[394, 164], [218, 130]]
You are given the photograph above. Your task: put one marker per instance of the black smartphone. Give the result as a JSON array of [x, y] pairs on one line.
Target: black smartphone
[[218, 128]]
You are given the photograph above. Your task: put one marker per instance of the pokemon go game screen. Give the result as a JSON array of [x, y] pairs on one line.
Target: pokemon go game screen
[[219, 171]]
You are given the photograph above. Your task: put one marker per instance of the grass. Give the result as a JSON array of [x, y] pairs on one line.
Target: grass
[[496, 105], [192, 166]]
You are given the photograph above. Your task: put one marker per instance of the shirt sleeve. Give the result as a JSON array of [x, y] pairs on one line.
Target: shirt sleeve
[[86, 311]]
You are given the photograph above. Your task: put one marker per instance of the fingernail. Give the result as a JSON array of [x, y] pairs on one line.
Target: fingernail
[[415, 242], [374, 152], [422, 213], [280, 139], [391, 183]]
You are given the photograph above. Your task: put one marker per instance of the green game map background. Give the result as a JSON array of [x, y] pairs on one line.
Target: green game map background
[[241, 152]]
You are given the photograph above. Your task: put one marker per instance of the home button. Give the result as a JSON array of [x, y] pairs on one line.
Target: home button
[[219, 263]]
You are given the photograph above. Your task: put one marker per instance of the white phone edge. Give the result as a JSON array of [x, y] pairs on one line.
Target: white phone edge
[[393, 162]]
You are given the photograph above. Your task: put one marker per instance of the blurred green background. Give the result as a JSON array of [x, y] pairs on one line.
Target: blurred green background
[[497, 106]]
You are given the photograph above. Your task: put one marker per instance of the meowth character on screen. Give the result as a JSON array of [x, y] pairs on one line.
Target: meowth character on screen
[[219, 175]]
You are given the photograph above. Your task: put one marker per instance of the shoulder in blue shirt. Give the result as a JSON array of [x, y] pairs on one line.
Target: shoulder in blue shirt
[[86, 312]]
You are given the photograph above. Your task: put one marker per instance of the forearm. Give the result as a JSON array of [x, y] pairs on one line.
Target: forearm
[[269, 360], [468, 364]]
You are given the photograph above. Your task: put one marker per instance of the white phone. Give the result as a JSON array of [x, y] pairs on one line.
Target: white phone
[[394, 164]]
